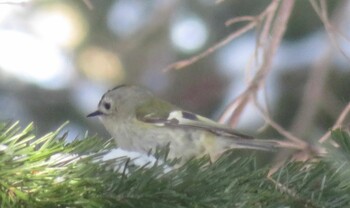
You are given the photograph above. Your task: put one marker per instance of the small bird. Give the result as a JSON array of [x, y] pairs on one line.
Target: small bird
[[141, 122]]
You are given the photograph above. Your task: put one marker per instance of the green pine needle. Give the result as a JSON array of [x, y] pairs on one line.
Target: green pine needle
[[49, 172]]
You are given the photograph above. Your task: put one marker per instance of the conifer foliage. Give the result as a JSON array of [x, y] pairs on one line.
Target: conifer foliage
[[49, 172]]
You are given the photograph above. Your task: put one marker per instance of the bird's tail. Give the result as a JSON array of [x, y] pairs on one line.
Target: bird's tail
[[222, 144], [259, 144]]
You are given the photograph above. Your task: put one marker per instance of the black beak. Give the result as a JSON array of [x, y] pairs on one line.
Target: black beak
[[96, 113]]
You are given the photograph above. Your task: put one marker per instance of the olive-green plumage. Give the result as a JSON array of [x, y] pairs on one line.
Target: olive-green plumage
[[139, 121]]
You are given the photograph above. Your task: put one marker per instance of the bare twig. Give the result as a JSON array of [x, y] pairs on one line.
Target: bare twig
[[277, 31], [337, 124], [302, 144], [312, 95], [332, 31], [239, 19], [235, 109], [253, 23], [184, 63], [229, 110], [264, 34]]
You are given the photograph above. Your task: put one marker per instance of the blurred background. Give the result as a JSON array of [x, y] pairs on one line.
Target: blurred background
[[57, 58]]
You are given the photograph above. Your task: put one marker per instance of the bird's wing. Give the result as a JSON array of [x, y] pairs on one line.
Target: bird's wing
[[165, 115]]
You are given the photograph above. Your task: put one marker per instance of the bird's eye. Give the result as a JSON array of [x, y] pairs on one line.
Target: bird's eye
[[107, 106]]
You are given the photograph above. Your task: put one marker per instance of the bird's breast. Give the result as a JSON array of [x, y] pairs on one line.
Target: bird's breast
[[143, 138]]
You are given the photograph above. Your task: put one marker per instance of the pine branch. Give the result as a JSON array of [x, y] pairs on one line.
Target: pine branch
[[48, 172]]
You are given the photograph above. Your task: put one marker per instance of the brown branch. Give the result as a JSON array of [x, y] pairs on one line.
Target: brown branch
[[184, 63], [302, 144], [268, 14], [240, 19], [254, 21], [321, 11], [332, 31], [280, 25], [312, 95], [315, 85], [264, 34], [337, 124], [278, 30], [235, 109]]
